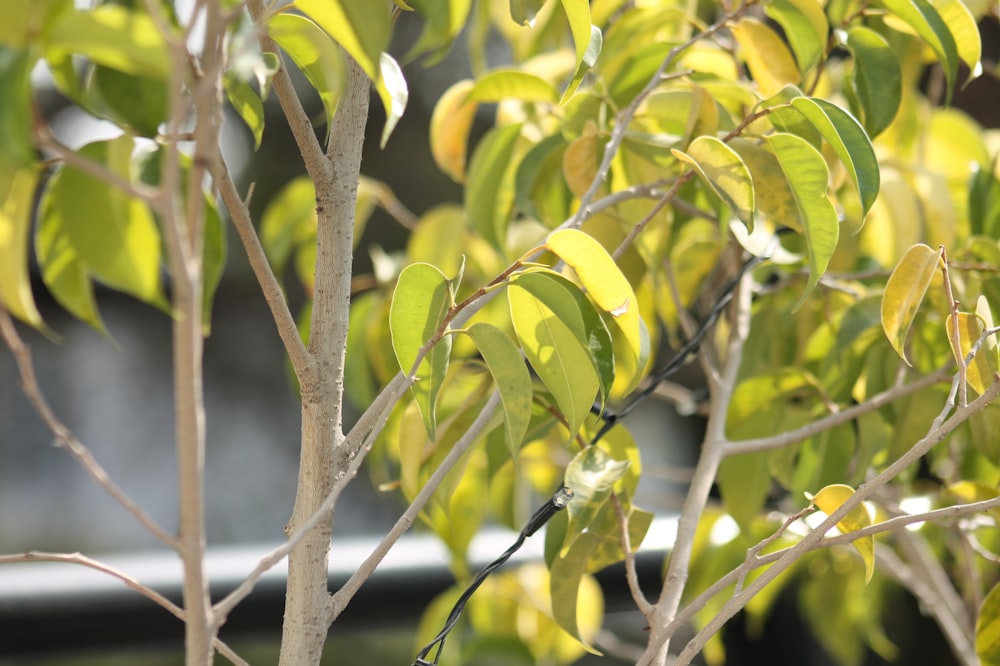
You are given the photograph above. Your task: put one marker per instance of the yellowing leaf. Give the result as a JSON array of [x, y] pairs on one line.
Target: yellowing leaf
[[17, 193], [768, 59], [450, 125], [979, 373], [828, 500], [724, 171], [988, 628], [605, 283], [361, 28], [580, 162], [905, 291], [805, 26]]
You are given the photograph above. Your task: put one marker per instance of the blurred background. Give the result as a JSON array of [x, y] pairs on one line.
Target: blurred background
[[115, 393]]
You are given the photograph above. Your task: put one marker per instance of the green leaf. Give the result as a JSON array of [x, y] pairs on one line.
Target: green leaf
[[807, 175], [113, 234], [591, 475], [552, 344], [489, 190], [962, 26], [744, 483], [443, 21], [988, 628], [313, 52], [566, 587], [24, 19], [16, 130], [17, 195], [904, 292], [603, 280], [134, 102], [876, 78], [213, 258], [805, 26], [511, 376], [114, 36], [361, 28], [587, 61], [828, 500], [500, 84], [923, 18], [771, 191], [725, 172], [246, 102], [393, 92], [289, 222], [848, 139], [63, 272], [523, 12], [420, 303]]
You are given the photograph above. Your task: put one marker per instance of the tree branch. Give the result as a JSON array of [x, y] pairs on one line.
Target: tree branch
[[63, 435], [130, 582]]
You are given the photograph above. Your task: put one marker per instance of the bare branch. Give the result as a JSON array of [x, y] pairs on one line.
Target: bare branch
[[129, 581], [343, 596], [301, 361], [631, 575], [63, 435]]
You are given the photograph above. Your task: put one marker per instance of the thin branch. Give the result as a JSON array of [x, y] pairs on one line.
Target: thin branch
[[631, 575], [302, 362], [943, 425], [316, 162], [63, 435], [129, 581], [838, 418], [343, 596], [899, 522], [92, 168]]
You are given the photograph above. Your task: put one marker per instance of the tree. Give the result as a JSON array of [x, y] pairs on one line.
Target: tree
[[763, 187]]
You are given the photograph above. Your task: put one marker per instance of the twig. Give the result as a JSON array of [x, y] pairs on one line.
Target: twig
[[91, 167], [65, 437], [878, 400], [343, 596], [942, 426], [753, 553], [631, 575], [129, 581], [302, 362]]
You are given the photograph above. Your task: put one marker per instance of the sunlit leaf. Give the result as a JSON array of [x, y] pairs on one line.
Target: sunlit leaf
[[962, 26], [828, 500], [392, 90], [768, 59], [315, 54], [805, 26], [113, 234], [591, 475], [523, 12], [17, 195], [847, 138], [580, 161], [807, 175], [568, 572], [362, 28], [419, 304], [876, 78], [988, 628], [489, 190], [586, 62], [511, 376], [500, 84], [923, 19], [443, 21], [724, 171], [449, 131], [114, 36], [549, 331], [246, 102], [979, 372], [905, 291]]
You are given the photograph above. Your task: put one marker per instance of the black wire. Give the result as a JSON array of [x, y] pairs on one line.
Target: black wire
[[684, 355], [555, 504]]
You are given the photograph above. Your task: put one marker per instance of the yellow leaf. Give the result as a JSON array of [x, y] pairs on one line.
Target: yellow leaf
[[580, 162], [979, 373], [831, 498], [770, 62], [450, 125], [905, 291]]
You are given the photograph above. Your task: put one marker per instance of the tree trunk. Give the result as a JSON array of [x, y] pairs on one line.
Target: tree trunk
[[323, 458]]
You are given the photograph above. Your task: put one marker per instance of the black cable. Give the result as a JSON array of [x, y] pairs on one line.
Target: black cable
[[555, 504], [684, 355]]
